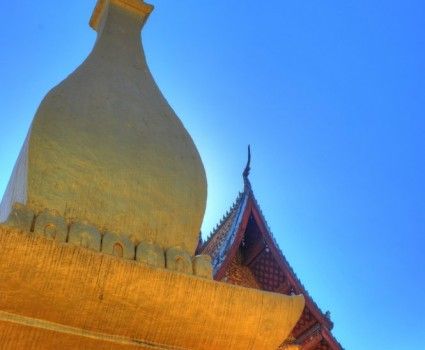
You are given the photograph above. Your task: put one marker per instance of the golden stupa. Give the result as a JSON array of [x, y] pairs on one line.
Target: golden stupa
[[101, 219]]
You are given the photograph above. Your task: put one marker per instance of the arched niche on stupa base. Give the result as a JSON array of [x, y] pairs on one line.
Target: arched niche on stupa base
[[202, 266], [51, 225], [120, 246], [177, 259], [85, 235], [150, 254], [21, 217]]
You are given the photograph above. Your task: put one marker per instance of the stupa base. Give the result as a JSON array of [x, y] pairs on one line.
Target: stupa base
[[19, 333], [59, 296]]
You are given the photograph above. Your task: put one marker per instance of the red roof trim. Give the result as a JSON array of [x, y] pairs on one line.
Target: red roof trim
[[286, 268], [327, 335]]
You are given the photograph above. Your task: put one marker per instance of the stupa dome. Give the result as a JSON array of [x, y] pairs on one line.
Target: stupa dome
[[106, 148]]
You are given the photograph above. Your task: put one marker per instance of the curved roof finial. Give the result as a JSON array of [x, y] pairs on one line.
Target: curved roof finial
[[247, 170]]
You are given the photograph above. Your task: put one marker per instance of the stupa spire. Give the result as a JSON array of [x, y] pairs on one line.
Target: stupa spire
[[138, 7]]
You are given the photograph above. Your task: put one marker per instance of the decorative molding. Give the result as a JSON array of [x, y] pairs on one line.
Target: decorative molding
[[53, 226]]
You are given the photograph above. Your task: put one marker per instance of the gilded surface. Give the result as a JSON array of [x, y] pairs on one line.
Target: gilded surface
[[58, 296], [105, 147]]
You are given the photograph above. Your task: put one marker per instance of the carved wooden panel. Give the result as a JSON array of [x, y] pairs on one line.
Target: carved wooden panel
[[268, 273], [306, 321], [240, 274]]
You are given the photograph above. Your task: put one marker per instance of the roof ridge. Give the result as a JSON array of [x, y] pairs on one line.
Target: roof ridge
[[223, 220]]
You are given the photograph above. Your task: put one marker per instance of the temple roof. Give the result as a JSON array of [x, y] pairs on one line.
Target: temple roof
[[223, 236], [222, 245]]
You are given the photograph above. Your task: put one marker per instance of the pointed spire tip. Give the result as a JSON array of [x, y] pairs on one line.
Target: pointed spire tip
[[247, 170]]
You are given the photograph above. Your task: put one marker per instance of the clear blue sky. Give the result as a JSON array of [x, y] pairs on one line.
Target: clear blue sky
[[331, 95]]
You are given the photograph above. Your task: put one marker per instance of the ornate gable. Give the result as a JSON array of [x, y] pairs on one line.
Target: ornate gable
[[244, 252]]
